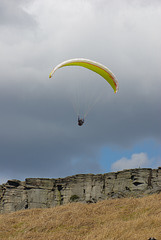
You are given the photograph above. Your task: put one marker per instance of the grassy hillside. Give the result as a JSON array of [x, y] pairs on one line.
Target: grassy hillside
[[117, 219]]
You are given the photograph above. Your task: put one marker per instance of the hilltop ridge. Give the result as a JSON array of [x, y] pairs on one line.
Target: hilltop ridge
[[86, 188]]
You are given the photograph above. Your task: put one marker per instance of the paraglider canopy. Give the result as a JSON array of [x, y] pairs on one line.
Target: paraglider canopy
[[93, 66]]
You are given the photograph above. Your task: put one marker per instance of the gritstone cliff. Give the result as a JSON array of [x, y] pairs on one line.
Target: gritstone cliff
[[88, 188]]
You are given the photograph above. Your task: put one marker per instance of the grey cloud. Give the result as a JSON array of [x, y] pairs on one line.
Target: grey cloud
[[12, 14]]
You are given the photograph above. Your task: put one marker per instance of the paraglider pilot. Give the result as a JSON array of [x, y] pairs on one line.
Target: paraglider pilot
[[80, 121]]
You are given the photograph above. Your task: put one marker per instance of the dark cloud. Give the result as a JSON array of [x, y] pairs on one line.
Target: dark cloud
[[39, 132]]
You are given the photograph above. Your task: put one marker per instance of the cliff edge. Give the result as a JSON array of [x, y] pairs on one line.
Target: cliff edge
[[88, 188]]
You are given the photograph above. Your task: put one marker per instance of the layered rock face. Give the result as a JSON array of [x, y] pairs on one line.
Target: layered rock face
[[87, 188]]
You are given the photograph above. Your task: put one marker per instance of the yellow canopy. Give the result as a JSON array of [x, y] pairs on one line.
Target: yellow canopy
[[93, 66]]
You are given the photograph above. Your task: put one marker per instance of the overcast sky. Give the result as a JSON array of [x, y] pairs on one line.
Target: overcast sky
[[39, 135]]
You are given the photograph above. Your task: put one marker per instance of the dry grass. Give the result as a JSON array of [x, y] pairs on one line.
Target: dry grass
[[118, 219]]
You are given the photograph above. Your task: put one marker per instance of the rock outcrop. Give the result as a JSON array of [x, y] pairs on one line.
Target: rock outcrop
[[88, 188]]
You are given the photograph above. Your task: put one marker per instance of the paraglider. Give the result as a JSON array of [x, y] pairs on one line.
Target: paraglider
[[80, 121], [96, 67]]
